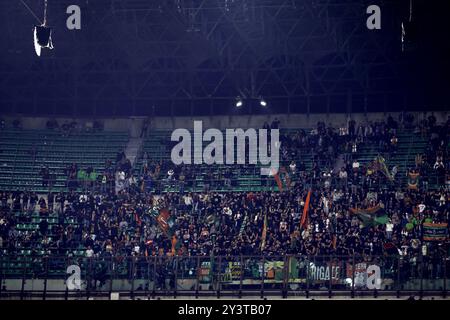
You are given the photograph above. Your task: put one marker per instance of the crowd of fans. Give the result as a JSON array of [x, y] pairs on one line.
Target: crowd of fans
[[119, 222]]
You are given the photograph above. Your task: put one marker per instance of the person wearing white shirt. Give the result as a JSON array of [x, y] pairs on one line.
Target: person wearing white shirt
[[343, 177], [389, 229], [424, 250], [89, 252], [227, 211], [421, 207], [292, 166], [442, 200], [354, 147], [187, 200]]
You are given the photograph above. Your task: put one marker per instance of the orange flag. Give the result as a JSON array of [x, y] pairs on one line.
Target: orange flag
[[174, 244], [304, 219], [278, 181]]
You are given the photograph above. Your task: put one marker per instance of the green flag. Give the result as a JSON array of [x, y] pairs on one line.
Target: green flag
[[371, 216]]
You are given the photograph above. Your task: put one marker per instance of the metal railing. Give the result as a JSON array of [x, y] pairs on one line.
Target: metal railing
[[288, 275]]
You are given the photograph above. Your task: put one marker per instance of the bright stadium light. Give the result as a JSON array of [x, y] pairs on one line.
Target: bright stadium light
[[239, 102], [262, 102]]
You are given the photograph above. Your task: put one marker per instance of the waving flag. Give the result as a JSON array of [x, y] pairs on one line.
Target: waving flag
[[371, 216], [165, 221], [304, 219], [264, 233], [435, 231], [379, 164], [280, 177]]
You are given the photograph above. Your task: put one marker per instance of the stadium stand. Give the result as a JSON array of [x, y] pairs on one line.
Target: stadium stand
[[157, 210], [25, 153]]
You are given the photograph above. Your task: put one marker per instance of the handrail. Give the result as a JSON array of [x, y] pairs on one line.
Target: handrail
[[288, 275]]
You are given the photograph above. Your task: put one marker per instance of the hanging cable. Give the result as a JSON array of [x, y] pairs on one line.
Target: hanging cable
[[410, 10], [45, 13], [31, 11]]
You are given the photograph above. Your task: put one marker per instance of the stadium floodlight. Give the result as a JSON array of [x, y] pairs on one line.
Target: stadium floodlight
[[42, 34], [262, 102], [239, 102], [42, 38]]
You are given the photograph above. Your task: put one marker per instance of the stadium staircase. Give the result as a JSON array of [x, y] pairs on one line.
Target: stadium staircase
[[133, 148], [339, 163]]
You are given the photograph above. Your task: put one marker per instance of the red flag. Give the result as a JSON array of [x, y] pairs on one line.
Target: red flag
[[278, 181], [278, 178], [163, 219], [304, 219], [138, 219]]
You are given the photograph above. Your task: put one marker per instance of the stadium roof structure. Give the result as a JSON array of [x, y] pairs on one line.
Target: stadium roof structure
[[194, 57]]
